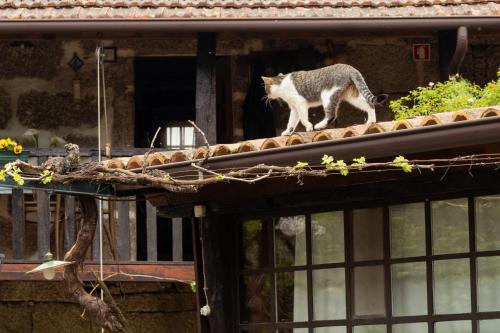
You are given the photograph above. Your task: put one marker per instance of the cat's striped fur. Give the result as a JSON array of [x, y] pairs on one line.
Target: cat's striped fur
[[327, 86]]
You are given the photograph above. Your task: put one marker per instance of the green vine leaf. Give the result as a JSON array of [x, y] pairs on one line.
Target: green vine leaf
[[327, 161], [2, 175], [402, 163], [300, 166], [46, 176], [359, 163], [193, 286], [341, 167]]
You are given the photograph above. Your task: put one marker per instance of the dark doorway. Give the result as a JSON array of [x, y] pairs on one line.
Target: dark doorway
[[165, 90], [165, 95]]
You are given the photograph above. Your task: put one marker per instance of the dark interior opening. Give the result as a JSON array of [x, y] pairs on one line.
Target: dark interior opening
[[165, 91]]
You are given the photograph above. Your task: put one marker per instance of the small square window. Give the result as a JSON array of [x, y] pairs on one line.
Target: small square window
[[178, 136]]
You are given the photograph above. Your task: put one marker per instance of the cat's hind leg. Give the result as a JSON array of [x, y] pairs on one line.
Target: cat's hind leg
[[330, 101], [361, 103], [293, 121]]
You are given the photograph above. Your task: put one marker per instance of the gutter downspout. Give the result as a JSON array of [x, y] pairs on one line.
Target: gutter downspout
[[460, 51]]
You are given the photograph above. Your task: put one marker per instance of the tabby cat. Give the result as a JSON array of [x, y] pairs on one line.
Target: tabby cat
[[327, 86]]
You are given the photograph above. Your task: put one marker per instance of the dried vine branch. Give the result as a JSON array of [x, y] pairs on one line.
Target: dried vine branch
[[100, 312]]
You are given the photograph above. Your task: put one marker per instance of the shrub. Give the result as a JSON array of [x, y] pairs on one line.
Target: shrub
[[454, 94]]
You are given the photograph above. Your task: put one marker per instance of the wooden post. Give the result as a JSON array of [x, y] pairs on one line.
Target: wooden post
[[43, 226], [95, 242], [18, 223], [205, 87], [69, 222], [123, 231], [151, 233], [211, 237], [177, 239]]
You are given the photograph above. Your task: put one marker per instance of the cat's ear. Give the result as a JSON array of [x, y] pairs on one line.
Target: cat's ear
[[267, 80], [281, 76]]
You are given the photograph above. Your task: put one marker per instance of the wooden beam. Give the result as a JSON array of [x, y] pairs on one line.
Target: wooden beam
[[123, 230], [177, 239], [18, 223], [141, 272], [69, 222], [43, 223], [205, 87], [151, 232]]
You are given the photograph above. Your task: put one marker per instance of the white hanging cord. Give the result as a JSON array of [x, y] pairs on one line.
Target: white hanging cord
[[99, 158], [105, 106]]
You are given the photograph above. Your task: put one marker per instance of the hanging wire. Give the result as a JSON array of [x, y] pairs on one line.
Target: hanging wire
[[99, 158]]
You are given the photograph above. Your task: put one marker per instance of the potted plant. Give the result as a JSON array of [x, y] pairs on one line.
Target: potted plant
[[10, 151]]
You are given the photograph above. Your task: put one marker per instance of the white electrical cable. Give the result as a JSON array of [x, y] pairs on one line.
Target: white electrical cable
[[99, 158]]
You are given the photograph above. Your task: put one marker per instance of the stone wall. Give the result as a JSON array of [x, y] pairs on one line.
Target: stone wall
[[37, 85], [36, 307]]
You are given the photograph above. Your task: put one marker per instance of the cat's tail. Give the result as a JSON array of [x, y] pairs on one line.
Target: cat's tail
[[363, 89]]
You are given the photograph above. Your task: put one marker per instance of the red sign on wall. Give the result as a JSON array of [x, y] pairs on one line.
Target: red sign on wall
[[421, 52]]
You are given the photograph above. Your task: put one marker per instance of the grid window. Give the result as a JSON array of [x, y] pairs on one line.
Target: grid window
[[429, 266]]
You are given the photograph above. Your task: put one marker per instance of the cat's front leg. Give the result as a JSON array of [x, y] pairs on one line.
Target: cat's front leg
[[303, 112], [293, 121]]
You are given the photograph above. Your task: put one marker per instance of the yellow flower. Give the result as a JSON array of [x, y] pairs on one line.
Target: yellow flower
[[10, 142], [3, 143], [18, 149]]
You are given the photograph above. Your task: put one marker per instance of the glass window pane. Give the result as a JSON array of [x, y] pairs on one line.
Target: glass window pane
[[488, 223], [409, 289], [294, 330], [327, 230], [489, 326], [335, 329], [369, 291], [329, 294], [370, 329], [189, 136], [407, 230], [255, 298], [450, 226], [291, 296], [452, 286], [410, 328], [254, 244], [488, 284], [462, 326], [290, 241], [367, 225]]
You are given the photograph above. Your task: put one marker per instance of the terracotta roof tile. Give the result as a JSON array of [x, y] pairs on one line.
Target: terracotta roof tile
[[305, 138], [240, 9]]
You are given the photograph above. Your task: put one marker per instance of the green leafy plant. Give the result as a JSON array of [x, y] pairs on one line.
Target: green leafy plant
[[46, 176], [300, 166], [452, 95], [359, 163], [402, 163], [330, 164]]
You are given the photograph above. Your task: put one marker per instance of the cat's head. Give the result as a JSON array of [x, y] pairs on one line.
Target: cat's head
[[271, 84]]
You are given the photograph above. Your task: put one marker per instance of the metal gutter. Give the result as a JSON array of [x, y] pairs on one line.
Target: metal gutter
[[372, 146], [248, 25]]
